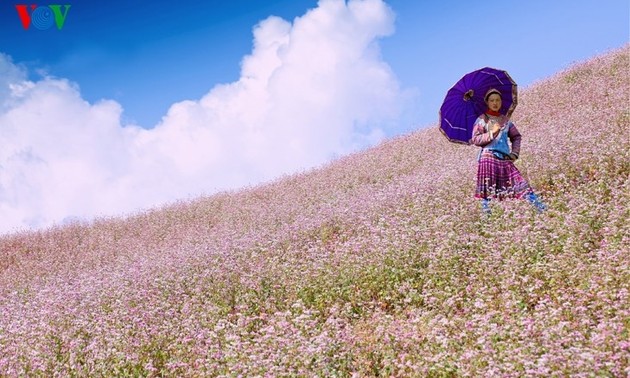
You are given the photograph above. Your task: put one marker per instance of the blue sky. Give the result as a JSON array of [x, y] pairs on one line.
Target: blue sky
[[148, 55], [135, 105]]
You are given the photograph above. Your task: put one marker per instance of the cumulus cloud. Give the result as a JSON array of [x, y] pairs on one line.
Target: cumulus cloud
[[310, 90]]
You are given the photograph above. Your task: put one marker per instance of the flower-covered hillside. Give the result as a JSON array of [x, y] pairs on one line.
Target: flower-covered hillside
[[378, 264]]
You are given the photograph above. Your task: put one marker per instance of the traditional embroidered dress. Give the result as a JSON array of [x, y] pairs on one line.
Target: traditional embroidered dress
[[497, 176]]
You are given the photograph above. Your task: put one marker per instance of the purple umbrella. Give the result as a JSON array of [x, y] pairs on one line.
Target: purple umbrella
[[464, 102]]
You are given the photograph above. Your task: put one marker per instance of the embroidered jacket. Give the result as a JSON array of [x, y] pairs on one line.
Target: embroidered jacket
[[498, 144]]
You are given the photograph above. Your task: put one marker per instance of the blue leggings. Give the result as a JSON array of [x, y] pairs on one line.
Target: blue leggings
[[531, 198]]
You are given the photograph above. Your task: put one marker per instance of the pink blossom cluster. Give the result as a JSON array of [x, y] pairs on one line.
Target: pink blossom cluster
[[377, 264]]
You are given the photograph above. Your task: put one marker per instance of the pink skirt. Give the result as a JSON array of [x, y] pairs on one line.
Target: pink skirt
[[500, 179]]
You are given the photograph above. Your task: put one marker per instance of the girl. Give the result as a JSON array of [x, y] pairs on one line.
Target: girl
[[497, 176]]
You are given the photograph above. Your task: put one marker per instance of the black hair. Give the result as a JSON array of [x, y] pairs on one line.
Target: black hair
[[490, 92]]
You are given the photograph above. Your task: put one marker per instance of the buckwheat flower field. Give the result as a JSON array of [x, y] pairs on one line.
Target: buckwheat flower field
[[377, 264]]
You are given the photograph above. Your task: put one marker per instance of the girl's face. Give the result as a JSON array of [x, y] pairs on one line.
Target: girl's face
[[494, 102]]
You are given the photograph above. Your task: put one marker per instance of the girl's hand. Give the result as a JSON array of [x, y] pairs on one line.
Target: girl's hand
[[494, 128]]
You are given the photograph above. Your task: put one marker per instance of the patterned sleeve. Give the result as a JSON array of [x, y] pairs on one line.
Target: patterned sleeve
[[515, 139], [480, 137]]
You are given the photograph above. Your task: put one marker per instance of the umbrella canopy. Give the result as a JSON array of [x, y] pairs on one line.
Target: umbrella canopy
[[464, 102]]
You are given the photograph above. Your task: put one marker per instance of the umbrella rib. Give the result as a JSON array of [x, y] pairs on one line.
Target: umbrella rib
[[493, 74], [454, 127]]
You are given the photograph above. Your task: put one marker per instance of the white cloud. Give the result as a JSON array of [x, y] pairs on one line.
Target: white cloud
[[310, 90], [10, 78]]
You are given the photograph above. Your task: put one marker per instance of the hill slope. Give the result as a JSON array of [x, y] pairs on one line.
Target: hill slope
[[379, 264]]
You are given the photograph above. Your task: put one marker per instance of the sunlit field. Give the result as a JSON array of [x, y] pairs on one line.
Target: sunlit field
[[380, 263]]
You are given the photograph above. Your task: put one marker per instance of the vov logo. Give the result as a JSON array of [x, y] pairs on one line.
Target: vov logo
[[42, 17]]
